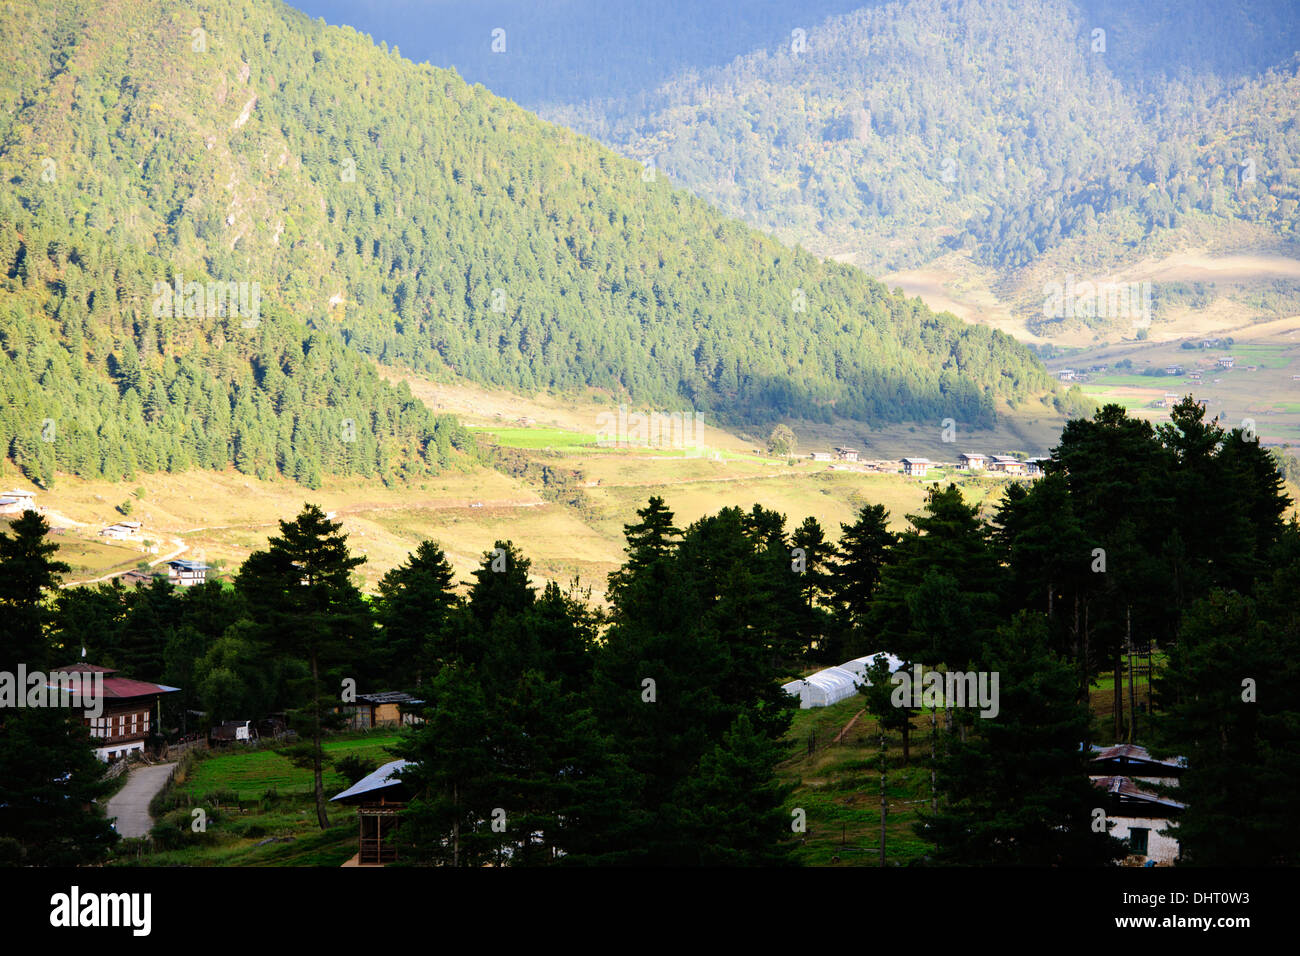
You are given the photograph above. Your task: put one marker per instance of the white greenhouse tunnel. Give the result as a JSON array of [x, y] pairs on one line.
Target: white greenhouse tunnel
[[834, 684]]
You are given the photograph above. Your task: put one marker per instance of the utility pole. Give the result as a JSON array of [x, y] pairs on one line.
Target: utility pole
[[934, 792], [884, 806]]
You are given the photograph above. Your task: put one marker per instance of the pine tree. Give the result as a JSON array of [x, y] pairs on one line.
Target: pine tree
[[300, 592], [1017, 788], [730, 810], [416, 602], [861, 554], [31, 575], [49, 775], [1230, 705]]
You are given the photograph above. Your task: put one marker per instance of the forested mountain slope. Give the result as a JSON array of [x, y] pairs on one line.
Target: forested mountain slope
[[999, 129], [393, 209]]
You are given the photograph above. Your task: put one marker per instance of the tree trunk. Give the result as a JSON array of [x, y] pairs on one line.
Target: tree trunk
[[1132, 700], [316, 747], [907, 736]]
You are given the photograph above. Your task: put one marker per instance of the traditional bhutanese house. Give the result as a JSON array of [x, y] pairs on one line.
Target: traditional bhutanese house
[[1139, 816], [1227, 361], [916, 466], [1171, 399], [846, 454], [129, 707], [385, 709], [1130, 760], [16, 502], [137, 578], [1034, 466], [820, 456], [1066, 375], [1129, 775], [379, 797], [123, 529], [969, 461], [1007, 465], [186, 574]]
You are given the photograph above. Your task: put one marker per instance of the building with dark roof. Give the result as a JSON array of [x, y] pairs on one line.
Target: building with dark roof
[[1146, 819], [129, 714], [384, 709], [186, 574], [379, 797]]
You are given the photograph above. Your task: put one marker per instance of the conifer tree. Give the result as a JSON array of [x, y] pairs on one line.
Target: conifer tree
[[300, 593]]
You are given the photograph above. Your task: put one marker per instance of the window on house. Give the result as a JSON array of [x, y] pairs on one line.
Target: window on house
[[1137, 840]]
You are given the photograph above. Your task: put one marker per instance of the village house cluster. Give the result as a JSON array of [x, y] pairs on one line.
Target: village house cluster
[[920, 467]]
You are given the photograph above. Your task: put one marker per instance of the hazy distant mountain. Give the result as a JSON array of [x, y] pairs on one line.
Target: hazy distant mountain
[[996, 127], [562, 51]]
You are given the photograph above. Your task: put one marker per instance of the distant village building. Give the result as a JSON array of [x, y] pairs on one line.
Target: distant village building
[[1226, 362], [846, 454], [384, 709], [233, 731], [1007, 465], [127, 715], [1128, 776], [1034, 467], [821, 456], [916, 466], [969, 461], [379, 798], [1171, 399], [137, 578], [16, 502], [186, 574], [1173, 370], [122, 530], [1066, 375]]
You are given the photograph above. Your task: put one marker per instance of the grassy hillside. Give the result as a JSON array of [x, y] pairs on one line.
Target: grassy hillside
[[359, 202], [572, 530]]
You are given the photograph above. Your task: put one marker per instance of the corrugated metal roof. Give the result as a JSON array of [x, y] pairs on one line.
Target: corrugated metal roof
[[1124, 787], [385, 776], [1132, 752], [388, 697]]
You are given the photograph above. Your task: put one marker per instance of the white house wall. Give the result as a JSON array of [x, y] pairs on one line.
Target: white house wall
[[1162, 849]]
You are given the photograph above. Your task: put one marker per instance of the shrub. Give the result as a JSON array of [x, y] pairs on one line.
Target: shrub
[[355, 766]]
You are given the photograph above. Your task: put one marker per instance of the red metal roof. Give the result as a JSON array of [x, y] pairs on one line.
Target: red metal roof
[[124, 687], [121, 688]]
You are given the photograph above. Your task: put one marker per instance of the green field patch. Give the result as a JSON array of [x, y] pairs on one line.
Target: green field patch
[[537, 438]]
